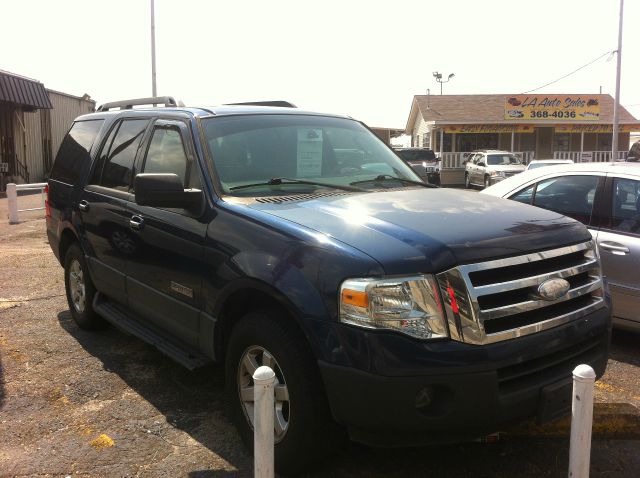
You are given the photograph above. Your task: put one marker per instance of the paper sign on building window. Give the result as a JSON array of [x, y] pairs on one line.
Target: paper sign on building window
[[309, 152]]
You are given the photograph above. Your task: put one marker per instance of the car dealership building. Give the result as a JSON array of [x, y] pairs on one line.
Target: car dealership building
[[567, 126]]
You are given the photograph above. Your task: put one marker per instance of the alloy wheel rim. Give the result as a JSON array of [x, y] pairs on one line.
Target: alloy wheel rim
[[252, 358], [77, 286]]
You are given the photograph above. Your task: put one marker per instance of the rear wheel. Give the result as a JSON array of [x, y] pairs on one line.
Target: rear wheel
[[80, 290], [303, 428]]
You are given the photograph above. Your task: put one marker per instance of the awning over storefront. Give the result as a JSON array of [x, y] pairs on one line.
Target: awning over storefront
[[23, 91]]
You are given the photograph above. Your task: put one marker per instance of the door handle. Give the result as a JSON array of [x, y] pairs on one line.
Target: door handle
[[614, 247], [83, 205], [136, 223]]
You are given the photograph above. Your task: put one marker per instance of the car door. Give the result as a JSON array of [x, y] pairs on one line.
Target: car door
[[102, 203], [618, 239], [479, 162], [472, 167], [164, 279]]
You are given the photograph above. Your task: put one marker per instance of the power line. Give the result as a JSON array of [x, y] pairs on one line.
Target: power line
[[574, 71]]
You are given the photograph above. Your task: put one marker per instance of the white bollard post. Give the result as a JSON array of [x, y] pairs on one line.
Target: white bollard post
[[581, 421], [264, 379], [12, 199]]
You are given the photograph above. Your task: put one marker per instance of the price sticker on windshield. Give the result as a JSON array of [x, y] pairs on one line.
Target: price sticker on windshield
[[309, 153]]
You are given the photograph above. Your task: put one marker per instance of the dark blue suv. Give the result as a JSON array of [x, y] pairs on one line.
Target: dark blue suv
[[392, 312]]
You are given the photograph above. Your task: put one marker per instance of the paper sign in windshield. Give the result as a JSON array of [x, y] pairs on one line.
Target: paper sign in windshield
[[309, 152]]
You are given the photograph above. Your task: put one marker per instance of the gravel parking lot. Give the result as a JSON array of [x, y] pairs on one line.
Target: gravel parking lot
[[75, 403]]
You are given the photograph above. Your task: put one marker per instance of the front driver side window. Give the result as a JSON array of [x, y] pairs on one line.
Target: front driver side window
[[569, 195], [166, 153]]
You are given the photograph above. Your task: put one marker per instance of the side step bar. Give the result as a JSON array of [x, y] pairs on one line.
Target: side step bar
[[124, 321]]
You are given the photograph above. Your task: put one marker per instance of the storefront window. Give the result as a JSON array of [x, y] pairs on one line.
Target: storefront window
[[471, 142], [527, 142], [561, 142], [446, 142], [603, 142]]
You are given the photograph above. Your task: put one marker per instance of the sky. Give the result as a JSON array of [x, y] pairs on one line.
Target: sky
[[365, 59]]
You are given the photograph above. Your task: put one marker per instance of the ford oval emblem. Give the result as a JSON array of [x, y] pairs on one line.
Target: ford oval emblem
[[553, 289]]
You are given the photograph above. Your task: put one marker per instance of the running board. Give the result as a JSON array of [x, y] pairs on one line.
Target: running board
[[124, 321]]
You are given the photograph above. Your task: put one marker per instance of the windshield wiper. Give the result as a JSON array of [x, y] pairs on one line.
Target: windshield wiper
[[280, 181], [384, 177]]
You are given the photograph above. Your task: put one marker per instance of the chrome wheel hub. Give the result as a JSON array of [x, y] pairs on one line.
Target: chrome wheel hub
[[252, 358], [77, 286]]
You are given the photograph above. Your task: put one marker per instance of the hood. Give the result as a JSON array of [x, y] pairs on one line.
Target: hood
[[508, 167], [430, 230]]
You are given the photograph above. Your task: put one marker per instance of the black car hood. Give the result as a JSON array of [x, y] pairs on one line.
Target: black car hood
[[430, 230]]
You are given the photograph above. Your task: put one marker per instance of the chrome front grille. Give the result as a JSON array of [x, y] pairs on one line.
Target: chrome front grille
[[499, 300]]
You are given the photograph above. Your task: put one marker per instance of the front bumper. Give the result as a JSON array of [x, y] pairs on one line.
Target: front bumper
[[433, 178], [496, 179], [452, 391]]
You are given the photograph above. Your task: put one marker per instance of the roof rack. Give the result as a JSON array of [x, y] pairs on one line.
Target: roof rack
[[167, 101], [277, 103]]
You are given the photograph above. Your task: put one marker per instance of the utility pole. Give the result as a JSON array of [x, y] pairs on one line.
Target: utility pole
[[616, 105], [154, 92]]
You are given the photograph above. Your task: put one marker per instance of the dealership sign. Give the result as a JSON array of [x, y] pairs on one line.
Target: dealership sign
[[552, 107], [488, 128], [594, 128]]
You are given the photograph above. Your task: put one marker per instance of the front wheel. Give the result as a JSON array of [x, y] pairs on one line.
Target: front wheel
[[467, 182], [303, 428], [487, 181]]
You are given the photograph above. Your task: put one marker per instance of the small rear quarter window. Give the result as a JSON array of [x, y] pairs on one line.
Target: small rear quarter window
[[73, 155]]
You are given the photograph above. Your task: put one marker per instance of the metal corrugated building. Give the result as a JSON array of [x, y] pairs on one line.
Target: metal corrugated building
[[33, 122], [21, 90]]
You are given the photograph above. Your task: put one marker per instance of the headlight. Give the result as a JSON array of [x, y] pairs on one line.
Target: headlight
[[410, 305], [424, 164]]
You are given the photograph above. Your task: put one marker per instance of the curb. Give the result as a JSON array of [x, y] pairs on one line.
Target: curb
[[610, 420]]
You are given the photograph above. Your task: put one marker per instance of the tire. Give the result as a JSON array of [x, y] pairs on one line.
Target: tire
[[487, 181], [80, 290], [467, 182], [304, 430]]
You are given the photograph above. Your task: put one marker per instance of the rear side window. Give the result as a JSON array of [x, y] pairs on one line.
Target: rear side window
[[115, 168], [74, 151], [625, 216]]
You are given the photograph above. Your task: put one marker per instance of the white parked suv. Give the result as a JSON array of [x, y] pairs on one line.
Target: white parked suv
[[487, 167]]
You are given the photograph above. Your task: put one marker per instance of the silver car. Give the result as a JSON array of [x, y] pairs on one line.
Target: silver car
[[543, 163], [606, 198], [488, 167]]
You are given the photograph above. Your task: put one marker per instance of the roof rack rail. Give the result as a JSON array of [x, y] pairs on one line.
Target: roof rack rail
[[167, 101], [278, 103]]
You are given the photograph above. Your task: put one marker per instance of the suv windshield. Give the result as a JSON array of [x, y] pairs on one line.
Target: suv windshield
[[321, 152], [416, 154], [502, 159]]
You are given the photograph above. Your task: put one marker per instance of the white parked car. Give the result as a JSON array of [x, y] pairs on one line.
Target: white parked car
[[487, 167], [540, 163], [606, 198]]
